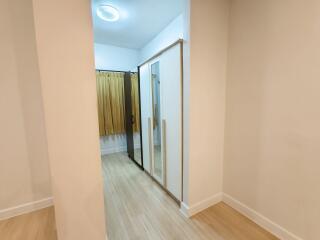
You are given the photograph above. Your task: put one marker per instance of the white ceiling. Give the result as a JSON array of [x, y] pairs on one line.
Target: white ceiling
[[140, 21]]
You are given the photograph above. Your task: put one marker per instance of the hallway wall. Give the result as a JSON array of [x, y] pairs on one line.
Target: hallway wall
[[24, 164], [170, 34], [110, 57], [208, 69], [66, 63], [272, 122]]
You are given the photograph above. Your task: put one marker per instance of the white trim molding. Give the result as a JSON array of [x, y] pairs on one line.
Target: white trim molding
[[117, 143], [118, 149], [184, 209], [106, 151], [259, 219], [189, 211], [25, 208]]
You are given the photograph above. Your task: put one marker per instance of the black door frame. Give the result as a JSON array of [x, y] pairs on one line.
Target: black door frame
[[128, 115], [141, 147]]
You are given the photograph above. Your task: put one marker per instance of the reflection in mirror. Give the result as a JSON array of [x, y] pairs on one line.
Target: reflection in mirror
[[157, 165]]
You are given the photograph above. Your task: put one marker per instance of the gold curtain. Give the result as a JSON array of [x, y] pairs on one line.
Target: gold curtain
[[135, 101], [111, 102]]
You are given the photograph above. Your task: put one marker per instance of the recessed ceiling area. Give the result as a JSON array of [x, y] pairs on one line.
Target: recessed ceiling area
[[139, 21]]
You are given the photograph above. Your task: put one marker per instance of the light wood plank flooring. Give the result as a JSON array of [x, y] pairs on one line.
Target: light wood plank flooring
[[137, 208], [38, 225]]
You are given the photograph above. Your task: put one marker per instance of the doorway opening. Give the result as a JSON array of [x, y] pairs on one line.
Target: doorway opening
[[119, 113], [138, 57]]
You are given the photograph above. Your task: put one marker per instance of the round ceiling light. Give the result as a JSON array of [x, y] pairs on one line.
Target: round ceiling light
[[108, 13]]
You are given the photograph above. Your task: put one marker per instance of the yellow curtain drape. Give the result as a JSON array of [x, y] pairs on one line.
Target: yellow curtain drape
[[135, 101], [111, 102]]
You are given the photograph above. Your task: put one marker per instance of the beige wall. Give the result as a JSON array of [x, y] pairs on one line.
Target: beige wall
[[65, 50], [24, 170], [272, 158], [208, 60]]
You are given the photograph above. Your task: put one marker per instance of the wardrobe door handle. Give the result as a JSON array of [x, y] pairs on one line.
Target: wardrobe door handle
[[164, 151], [150, 147]]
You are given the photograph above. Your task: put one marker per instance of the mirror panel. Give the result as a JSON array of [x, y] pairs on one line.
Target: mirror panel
[[156, 123]]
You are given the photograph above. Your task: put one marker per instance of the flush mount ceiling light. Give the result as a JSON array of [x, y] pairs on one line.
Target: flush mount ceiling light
[[108, 13]]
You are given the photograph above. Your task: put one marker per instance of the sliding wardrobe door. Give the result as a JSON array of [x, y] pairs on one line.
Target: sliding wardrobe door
[[161, 118], [146, 116], [171, 118]]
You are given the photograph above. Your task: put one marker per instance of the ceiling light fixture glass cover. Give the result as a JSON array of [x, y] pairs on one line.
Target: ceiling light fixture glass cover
[[108, 13]]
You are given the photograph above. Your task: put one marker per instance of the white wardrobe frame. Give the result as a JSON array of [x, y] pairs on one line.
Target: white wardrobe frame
[[150, 169]]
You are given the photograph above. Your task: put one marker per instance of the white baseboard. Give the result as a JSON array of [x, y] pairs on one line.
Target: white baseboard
[[25, 208], [259, 219], [189, 211], [105, 151], [184, 209]]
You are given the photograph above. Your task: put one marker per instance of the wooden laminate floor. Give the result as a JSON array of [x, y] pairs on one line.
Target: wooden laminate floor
[[38, 225], [138, 209]]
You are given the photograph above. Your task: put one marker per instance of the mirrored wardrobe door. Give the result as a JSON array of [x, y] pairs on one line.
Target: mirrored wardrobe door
[[156, 121], [146, 116]]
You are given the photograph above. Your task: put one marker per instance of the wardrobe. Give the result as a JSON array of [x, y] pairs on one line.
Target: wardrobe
[[161, 118]]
